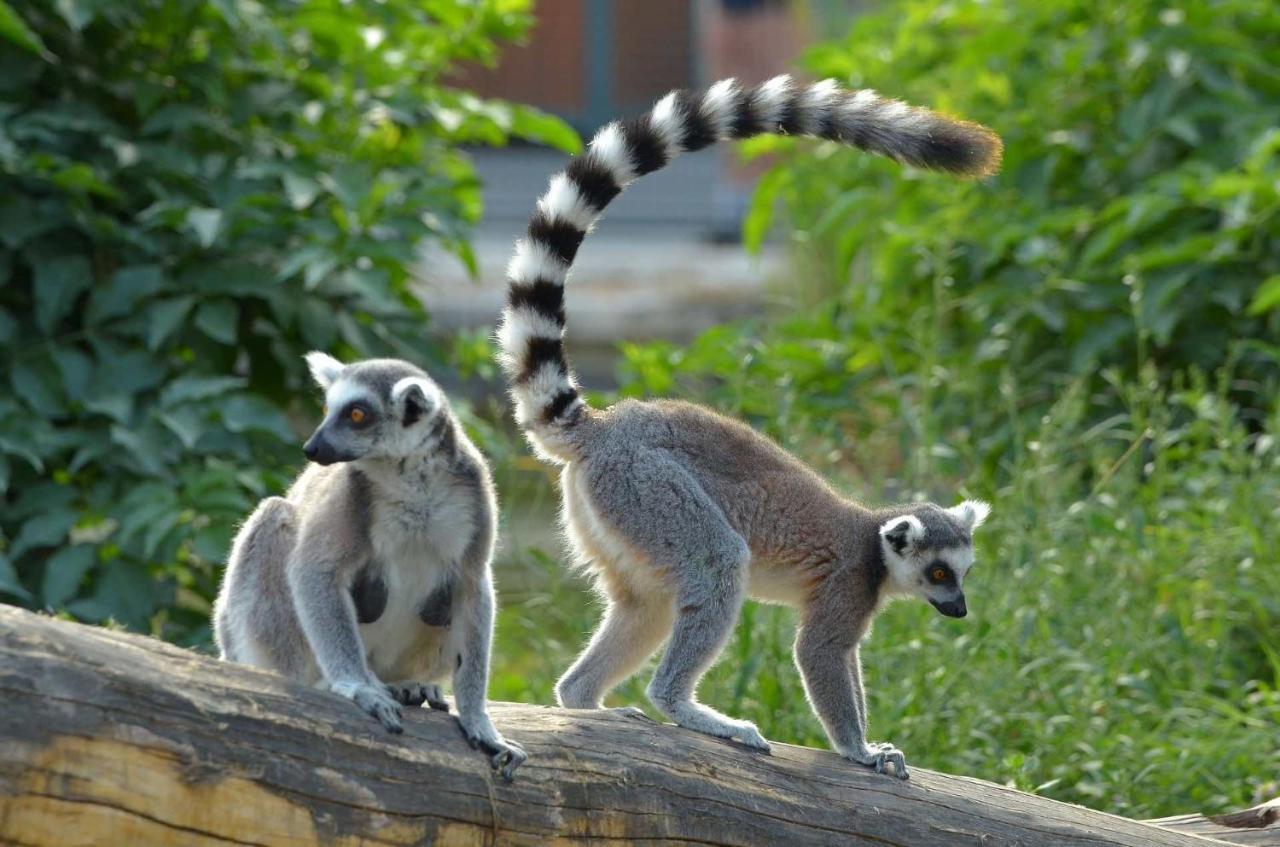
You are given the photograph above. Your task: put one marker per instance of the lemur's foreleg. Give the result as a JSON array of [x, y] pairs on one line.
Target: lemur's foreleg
[[328, 618], [471, 681]]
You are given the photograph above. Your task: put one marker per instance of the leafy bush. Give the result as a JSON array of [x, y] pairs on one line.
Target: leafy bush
[[192, 194], [1137, 219]]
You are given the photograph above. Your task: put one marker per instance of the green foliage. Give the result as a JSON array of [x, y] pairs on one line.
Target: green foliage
[[1137, 218], [192, 194]]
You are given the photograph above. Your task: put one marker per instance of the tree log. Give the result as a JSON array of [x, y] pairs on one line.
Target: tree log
[[1258, 826], [108, 738]]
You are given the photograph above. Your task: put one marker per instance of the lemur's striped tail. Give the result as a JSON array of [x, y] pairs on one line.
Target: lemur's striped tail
[[531, 334]]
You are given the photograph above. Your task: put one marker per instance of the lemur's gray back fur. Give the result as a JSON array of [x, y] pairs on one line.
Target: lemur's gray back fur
[[531, 334]]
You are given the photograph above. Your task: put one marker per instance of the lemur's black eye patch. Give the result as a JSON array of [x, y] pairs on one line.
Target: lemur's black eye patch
[[940, 573]]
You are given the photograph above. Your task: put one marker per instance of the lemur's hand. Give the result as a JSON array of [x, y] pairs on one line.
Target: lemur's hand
[[375, 700], [880, 756], [417, 693], [504, 756]]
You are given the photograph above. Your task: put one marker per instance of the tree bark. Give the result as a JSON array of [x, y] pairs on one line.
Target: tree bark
[[108, 738]]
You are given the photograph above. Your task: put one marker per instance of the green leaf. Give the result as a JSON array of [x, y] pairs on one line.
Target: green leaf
[[205, 224], [189, 388], [126, 592], [9, 581], [164, 317], [63, 573], [217, 319], [126, 288], [1267, 296], [186, 422], [536, 125], [14, 29], [46, 529], [34, 381], [58, 282], [76, 369], [300, 190], [77, 13], [245, 412], [756, 225]]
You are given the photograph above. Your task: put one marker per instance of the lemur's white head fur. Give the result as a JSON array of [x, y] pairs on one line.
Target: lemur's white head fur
[[376, 409], [928, 551]]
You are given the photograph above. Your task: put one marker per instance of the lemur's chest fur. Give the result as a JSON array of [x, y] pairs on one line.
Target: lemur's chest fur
[[404, 594]]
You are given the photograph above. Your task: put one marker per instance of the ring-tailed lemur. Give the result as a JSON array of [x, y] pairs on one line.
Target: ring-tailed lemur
[[682, 513], [371, 575]]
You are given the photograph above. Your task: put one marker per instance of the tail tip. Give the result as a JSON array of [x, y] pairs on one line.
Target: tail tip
[[966, 149]]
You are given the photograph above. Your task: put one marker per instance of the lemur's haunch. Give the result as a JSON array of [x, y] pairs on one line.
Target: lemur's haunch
[[682, 513]]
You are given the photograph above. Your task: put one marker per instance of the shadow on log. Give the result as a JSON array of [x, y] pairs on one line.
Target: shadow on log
[[108, 738]]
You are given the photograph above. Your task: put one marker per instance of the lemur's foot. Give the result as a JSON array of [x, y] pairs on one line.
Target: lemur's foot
[[416, 693], [700, 718], [747, 733], [504, 756], [374, 700], [880, 757], [629, 712]]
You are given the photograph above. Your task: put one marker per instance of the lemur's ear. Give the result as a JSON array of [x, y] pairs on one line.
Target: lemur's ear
[[902, 532], [971, 513], [324, 368], [417, 398]]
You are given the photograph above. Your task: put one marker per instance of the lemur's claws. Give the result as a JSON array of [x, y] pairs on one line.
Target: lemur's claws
[[504, 756], [879, 757]]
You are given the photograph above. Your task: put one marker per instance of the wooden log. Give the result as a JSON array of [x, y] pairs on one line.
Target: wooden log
[[1258, 826], [108, 738]]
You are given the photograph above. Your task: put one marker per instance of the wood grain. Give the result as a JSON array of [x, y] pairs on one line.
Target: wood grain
[[108, 738]]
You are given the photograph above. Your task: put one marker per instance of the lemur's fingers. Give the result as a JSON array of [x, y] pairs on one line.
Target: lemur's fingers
[[880, 757], [416, 694], [506, 761], [504, 756], [375, 700], [435, 699]]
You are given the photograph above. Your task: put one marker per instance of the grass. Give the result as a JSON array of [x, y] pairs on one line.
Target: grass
[[1123, 644]]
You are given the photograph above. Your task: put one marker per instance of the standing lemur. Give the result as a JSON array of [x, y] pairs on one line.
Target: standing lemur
[[371, 575], [682, 513]]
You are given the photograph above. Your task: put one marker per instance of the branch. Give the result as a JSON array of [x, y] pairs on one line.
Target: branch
[[111, 738]]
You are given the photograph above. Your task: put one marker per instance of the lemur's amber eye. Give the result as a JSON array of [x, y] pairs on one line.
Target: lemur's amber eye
[[938, 575], [358, 415]]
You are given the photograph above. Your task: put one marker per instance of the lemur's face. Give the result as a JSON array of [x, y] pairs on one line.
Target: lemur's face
[[928, 551], [376, 409]]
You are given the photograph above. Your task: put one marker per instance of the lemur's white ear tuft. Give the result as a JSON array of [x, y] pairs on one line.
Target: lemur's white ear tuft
[[421, 398], [324, 368], [971, 513], [902, 532]]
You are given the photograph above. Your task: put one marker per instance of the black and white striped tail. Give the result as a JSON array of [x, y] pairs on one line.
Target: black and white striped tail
[[532, 329]]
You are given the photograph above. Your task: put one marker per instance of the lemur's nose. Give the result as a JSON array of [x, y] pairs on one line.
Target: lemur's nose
[[310, 450]]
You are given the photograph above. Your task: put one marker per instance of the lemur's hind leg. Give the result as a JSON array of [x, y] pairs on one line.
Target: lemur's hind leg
[[254, 621], [704, 560], [632, 628]]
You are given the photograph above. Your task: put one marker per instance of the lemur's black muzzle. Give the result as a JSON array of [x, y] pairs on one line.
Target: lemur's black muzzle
[[321, 452], [952, 608]]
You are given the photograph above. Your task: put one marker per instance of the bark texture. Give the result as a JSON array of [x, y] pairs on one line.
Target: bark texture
[[108, 738]]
